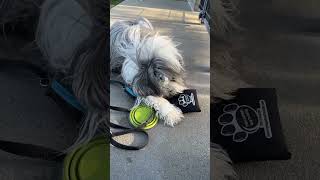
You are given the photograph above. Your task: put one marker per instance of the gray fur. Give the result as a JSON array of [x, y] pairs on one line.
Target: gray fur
[[221, 165], [150, 79], [71, 34], [224, 76], [223, 13]]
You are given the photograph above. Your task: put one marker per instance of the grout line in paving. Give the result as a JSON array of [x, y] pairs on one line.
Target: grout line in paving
[[141, 12], [161, 21]]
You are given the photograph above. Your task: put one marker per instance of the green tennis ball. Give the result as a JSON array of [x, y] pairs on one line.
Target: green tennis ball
[[141, 114]]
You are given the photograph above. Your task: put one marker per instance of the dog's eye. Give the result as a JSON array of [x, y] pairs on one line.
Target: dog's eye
[[161, 77]]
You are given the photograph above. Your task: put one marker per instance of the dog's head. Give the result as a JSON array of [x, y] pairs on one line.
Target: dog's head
[[159, 67]]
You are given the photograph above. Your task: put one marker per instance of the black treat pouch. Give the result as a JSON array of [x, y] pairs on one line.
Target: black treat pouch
[[249, 127], [187, 101]]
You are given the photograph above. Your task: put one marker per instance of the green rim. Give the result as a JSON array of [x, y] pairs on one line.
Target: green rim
[[91, 161], [141, 114]]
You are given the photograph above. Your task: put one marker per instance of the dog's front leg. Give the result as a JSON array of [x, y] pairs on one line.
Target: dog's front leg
[[171, 114]]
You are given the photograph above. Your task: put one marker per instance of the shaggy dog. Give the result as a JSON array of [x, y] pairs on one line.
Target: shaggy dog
[[150, 63]]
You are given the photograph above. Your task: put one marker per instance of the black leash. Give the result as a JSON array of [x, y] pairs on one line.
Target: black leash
[[126, 130], [31, 151], [44, 153]]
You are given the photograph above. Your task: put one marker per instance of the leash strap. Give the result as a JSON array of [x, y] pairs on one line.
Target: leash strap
[[44, 153], [68, 97], [31, 151], [127, 130]]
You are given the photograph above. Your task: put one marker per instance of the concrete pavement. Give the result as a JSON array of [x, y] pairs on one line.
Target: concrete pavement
[[181, 152]]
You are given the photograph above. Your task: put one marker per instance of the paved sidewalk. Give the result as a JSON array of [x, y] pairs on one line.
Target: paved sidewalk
[[180, 5], [181, 152]]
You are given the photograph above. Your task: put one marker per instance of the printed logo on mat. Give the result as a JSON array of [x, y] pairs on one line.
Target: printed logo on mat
[[239, 121], [185, 100]]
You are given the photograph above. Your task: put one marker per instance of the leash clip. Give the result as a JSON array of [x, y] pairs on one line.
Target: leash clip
[[44, 82]]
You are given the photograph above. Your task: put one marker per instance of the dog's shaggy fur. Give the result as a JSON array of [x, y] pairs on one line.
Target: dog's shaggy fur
[[224, 77], [150, 63]]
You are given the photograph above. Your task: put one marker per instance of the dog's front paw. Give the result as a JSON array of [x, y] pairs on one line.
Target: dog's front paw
[[173, 117], [169, 113]]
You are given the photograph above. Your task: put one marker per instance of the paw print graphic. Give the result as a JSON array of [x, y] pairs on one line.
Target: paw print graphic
[[239, 121], [185, 100]]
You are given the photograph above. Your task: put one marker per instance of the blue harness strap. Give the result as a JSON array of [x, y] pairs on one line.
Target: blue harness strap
[[59, 91], [130, 91], [72, 100], [126, 88], [66, 95]]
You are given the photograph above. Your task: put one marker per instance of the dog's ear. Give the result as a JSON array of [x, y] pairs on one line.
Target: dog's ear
[[91, 75], [91, 72]]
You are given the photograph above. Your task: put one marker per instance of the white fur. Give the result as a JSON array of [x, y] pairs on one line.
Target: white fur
[[157, 46], [160, 46], [129, 71]]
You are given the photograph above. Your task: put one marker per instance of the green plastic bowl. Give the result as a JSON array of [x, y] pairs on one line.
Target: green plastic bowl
[[141, 114], [90, 162]]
